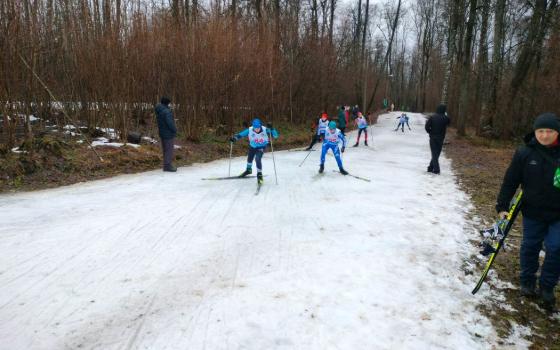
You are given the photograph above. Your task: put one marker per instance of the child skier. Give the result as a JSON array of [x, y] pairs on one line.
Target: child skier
[[403, 119], [258, 140], [536, 168], [362, 124], [321, 128], [332, 137]]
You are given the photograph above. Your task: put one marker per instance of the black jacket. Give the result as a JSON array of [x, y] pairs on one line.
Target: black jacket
[[535, 173], [436, 125], [166, 122]]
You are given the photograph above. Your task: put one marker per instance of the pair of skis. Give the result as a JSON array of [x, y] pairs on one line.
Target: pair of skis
[[259, 183], [495, 237]]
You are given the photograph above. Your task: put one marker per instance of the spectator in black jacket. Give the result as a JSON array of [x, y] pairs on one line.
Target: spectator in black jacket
[[167, 132], [436, 126], [536, 167]]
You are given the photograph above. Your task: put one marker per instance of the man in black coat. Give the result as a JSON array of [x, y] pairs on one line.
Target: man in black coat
[[436, 126], [167, 132], [536, 167]]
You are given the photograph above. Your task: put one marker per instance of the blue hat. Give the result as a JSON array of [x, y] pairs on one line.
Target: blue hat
[[257, 123], [332, 125]]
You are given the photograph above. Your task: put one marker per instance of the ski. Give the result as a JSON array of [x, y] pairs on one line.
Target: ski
[[301, 150], [259, 185], [228, 177], [355, 176], [497, 239]]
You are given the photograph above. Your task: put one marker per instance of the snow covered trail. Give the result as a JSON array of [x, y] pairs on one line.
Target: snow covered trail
[[168, 261]]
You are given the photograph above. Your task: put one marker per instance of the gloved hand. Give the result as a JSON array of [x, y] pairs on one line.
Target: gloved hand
[[269, 125], [232, 139], [343, 148], [502, 215]]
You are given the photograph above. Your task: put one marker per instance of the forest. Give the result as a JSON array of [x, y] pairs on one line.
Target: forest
[[105, 64]]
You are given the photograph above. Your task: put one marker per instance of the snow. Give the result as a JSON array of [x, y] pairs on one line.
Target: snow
[[168, 261], [104, 142]]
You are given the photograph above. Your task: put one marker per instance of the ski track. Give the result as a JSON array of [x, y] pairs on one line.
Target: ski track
[[167, 261]]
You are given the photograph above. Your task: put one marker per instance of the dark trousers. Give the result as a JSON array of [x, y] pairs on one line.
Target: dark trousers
[[255, 153], [535, 233], [167, 146], [316, 138], [436, 144], [360, 131]]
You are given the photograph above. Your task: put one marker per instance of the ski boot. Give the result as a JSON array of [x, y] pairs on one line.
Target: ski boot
[[365, 143], [528, 290], [343, 172], [260, 178], [321, 168], [247, 171], [356, 145], [548, 299]]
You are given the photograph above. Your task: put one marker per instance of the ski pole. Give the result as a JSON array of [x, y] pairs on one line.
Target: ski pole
[[303, 161], [230, 151], [273, 160]]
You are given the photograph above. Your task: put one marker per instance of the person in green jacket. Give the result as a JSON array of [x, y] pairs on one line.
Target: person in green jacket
[[341, 119]]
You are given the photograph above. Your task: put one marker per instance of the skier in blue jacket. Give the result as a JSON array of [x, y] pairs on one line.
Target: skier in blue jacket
[[258, 140], [403, 119], [332, 138]]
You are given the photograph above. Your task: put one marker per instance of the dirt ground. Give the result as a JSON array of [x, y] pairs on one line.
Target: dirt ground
[[51, 162], [481, 165]]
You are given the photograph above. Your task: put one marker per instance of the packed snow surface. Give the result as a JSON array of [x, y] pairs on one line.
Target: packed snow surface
[[169, 261]]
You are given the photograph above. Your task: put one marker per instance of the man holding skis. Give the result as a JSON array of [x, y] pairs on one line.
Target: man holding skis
[[258, 136], [536, 167]]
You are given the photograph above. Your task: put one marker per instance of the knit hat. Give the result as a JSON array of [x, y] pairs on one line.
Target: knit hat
[[165, 101], [441, 109], [324, 116], [547, 120], [332, 125], [256, 123]]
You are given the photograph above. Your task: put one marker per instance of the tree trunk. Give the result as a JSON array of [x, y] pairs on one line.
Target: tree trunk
[[465, 72]]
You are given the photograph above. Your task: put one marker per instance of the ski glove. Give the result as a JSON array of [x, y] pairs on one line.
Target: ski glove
[[232, 139], [269, 125], [343, 148]]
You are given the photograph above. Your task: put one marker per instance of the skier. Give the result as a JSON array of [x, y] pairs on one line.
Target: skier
[[536, 167], [258, 140], [362, 124], [321, 128], [403, 119], [332, 137], [436, 126]]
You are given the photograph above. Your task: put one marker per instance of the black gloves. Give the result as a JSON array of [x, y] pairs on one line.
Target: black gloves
[[343, 148], [269, 125], [232, 139]]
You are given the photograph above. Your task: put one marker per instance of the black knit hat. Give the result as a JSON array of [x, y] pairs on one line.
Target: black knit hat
[[165, 101], [441, 109], [547, 120]]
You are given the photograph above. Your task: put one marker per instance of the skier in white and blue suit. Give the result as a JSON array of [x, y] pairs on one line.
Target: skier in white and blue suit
[[333, 137], [403, 119], [258, 140]]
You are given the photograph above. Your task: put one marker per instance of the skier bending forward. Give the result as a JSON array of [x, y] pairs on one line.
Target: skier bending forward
[[332, 137]]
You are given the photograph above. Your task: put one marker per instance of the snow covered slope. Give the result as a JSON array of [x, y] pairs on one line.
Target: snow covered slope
[[168, 261]]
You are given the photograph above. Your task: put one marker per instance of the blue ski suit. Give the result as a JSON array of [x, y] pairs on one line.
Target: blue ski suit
[[257, 143], [331, 142]]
